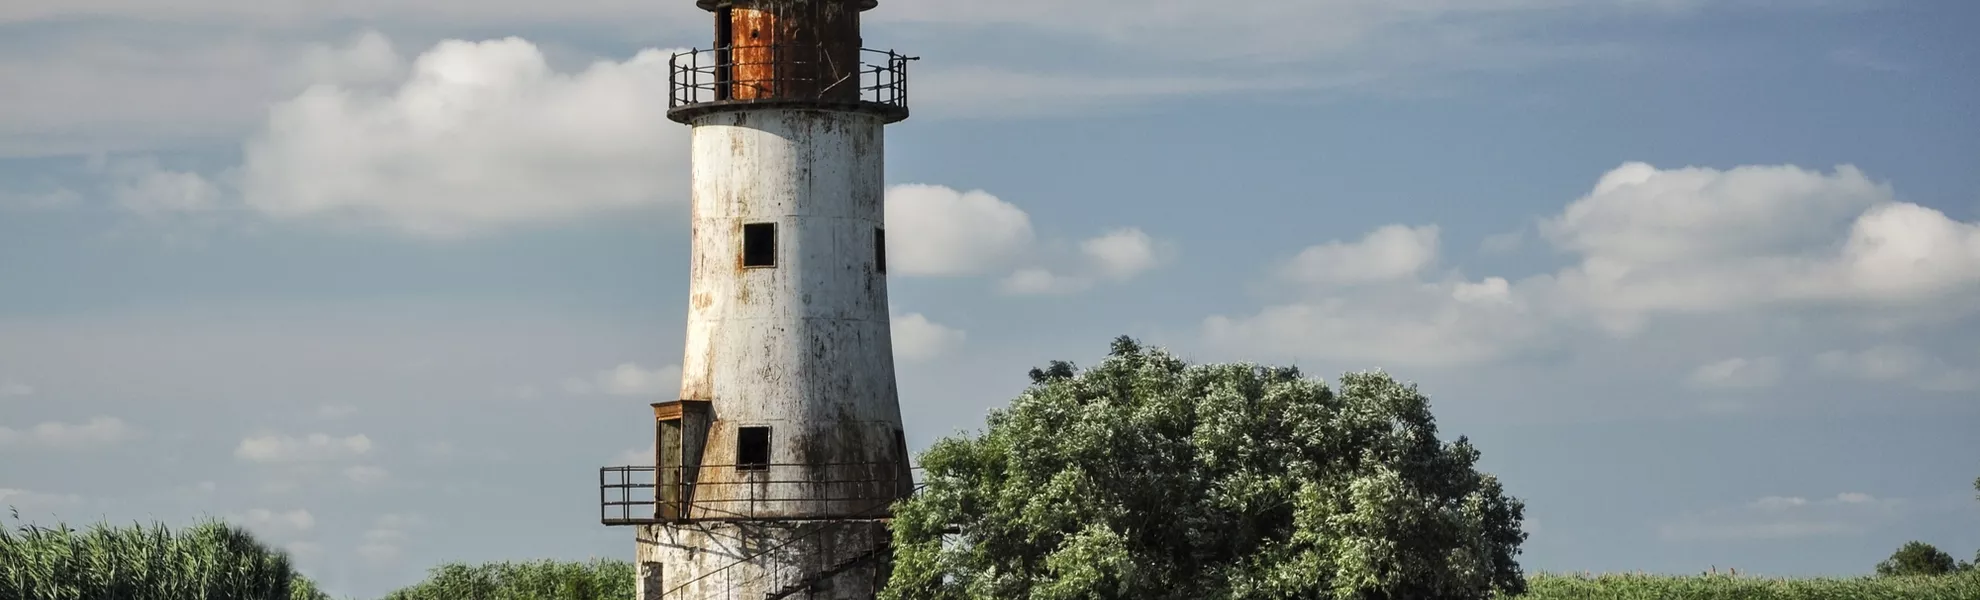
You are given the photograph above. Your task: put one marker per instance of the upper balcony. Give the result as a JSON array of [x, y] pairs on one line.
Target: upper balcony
[[827, 76]]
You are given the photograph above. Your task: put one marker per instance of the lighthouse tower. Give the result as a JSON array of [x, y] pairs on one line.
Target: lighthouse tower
[[776, 466]]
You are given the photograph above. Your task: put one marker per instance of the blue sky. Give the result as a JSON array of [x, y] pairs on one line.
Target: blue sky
[[388, 283]]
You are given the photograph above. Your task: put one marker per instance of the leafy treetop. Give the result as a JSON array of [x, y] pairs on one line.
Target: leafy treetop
[[1149, 478]]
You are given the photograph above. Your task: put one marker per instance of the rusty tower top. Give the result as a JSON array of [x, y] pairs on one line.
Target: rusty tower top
[[788, 53]]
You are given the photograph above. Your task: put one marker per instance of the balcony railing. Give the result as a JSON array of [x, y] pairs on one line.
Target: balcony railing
[[777, 492], [706, 80]]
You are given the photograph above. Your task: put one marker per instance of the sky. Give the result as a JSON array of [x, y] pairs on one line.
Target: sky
[[388, 282]]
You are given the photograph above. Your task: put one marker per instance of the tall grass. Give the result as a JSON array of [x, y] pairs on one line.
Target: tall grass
[[1962, 586], [600, 579], [210, 561]]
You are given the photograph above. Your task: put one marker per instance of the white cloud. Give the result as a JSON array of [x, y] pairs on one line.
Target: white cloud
[[917, 339], [628, 379], [1118, 256], [1122, 254], [1738, 373], [1648, 243], [1697, 240], [315, 447], [1389, 253], [478, 136], [1785, 517], [366, 474], [14, 389], [97, 432], [1898, 363], [937, 231], [1034, 281], [141, 186]]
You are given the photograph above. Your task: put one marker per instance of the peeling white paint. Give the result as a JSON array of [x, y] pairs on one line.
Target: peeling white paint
[[803, 348]]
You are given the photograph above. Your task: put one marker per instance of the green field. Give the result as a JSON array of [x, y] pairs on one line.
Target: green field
[[213, 561], [1964, 586]]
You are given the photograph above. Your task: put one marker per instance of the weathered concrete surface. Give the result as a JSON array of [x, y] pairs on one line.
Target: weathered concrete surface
[[803, 347], [699, 561]]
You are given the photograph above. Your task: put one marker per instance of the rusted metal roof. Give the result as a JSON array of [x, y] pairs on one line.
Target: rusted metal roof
[[713, 5]]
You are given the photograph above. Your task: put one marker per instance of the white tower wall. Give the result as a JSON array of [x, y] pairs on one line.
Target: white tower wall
[[802, 347]]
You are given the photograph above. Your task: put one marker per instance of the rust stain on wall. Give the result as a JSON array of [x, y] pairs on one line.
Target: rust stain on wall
[[795, 49]]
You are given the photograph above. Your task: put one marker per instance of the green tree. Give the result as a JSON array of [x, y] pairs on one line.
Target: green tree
[[1917, 558], [1149, 478]]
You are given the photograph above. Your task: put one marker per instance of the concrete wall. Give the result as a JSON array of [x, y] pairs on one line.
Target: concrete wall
[[803, 348], [699, 561]]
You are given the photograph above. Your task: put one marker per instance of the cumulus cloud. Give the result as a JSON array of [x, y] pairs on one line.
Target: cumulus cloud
[[1037, 281], [1117, 256], [1122, 254], [1902, 364], [1696, 240], [1389, 253], [1646, 243], [628, 379], [476, 136], [317, 447], [142, 187], [97, 432], [1737, 373], [918, 339], [935, 231], [1785, 517]]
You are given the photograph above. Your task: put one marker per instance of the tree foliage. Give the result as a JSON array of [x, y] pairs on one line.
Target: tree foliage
[[1149, 478], [1917, 558], [538, 580]]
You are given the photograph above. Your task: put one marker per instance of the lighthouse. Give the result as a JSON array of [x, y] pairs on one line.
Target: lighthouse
[[775, 468]]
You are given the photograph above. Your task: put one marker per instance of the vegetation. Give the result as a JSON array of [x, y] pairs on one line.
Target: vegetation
[[1963, 586], [540, 580], [210, 561], [1146, 477], [1918, 558], [1143, 477]]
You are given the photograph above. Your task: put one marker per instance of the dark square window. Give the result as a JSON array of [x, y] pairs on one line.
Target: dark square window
[[880, 248], [760, 245], [753, 449]]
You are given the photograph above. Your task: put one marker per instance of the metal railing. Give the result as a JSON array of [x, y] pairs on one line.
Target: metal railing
[[787, 72], [775, 492], [783, 583]]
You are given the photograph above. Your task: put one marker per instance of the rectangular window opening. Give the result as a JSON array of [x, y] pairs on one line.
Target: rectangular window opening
[[759, 245], [753, 449], [880, 248]]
